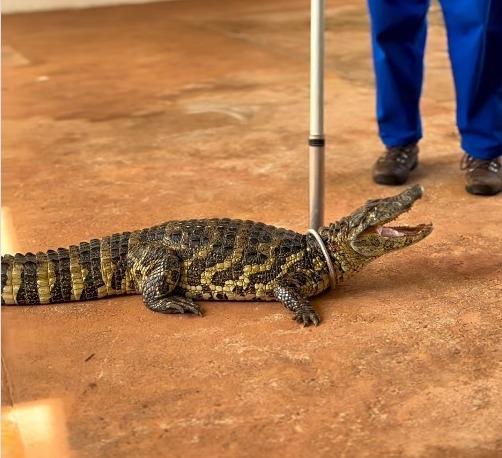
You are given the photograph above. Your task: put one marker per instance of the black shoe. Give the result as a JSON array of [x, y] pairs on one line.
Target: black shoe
[[395, 165], [483, 177]]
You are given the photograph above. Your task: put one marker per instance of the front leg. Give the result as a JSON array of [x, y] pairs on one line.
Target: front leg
[[288, 291]]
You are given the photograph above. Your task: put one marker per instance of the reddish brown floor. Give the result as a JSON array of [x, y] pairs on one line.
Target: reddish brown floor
[[120, 118]]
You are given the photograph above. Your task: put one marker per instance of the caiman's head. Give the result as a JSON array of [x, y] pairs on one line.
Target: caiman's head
[[367, 233]]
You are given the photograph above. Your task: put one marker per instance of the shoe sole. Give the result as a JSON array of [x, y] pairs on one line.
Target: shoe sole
[[392, 180], [480, 190]]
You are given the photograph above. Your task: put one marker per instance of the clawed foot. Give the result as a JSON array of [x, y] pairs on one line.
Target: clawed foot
[[307, 316], [176, 304]]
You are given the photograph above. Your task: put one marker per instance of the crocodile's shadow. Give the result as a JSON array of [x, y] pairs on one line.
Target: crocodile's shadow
[[423, 274]]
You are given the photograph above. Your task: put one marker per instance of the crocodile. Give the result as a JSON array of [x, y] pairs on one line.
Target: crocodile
[[176, 263]]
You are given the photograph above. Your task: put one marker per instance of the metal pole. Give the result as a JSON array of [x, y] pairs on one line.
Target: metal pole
[[316, 138]]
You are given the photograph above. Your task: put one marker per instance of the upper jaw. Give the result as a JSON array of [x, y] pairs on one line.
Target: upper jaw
[[378, 213], [382, 211]]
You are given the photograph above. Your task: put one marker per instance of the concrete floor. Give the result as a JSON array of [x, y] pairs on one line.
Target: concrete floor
[[120, 118]]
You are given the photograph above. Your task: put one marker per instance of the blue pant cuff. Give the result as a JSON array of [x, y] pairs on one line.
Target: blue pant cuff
[[484, 154]]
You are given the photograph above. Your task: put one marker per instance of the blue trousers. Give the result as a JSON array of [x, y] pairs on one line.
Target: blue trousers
[[474, 28]]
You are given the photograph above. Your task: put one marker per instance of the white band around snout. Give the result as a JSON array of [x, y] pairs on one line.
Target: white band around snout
[[332, 276]]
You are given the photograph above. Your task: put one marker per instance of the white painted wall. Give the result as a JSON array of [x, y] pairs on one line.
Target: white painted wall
[[18, 6]]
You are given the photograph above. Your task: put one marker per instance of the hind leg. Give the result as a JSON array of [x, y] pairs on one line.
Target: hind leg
[[156, 271]]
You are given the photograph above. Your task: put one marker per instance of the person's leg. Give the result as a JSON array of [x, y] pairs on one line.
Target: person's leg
[[398, 32], [475, 44], [474, 39]]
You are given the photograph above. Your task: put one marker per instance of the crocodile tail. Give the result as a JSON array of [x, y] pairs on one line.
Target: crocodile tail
[[91, 270]]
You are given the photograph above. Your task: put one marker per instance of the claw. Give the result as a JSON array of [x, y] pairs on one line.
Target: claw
[[306, 318], [196, 311], [175, 304]]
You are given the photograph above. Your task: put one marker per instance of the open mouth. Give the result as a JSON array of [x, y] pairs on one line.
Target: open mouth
[[399, 231], [379, 233]]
